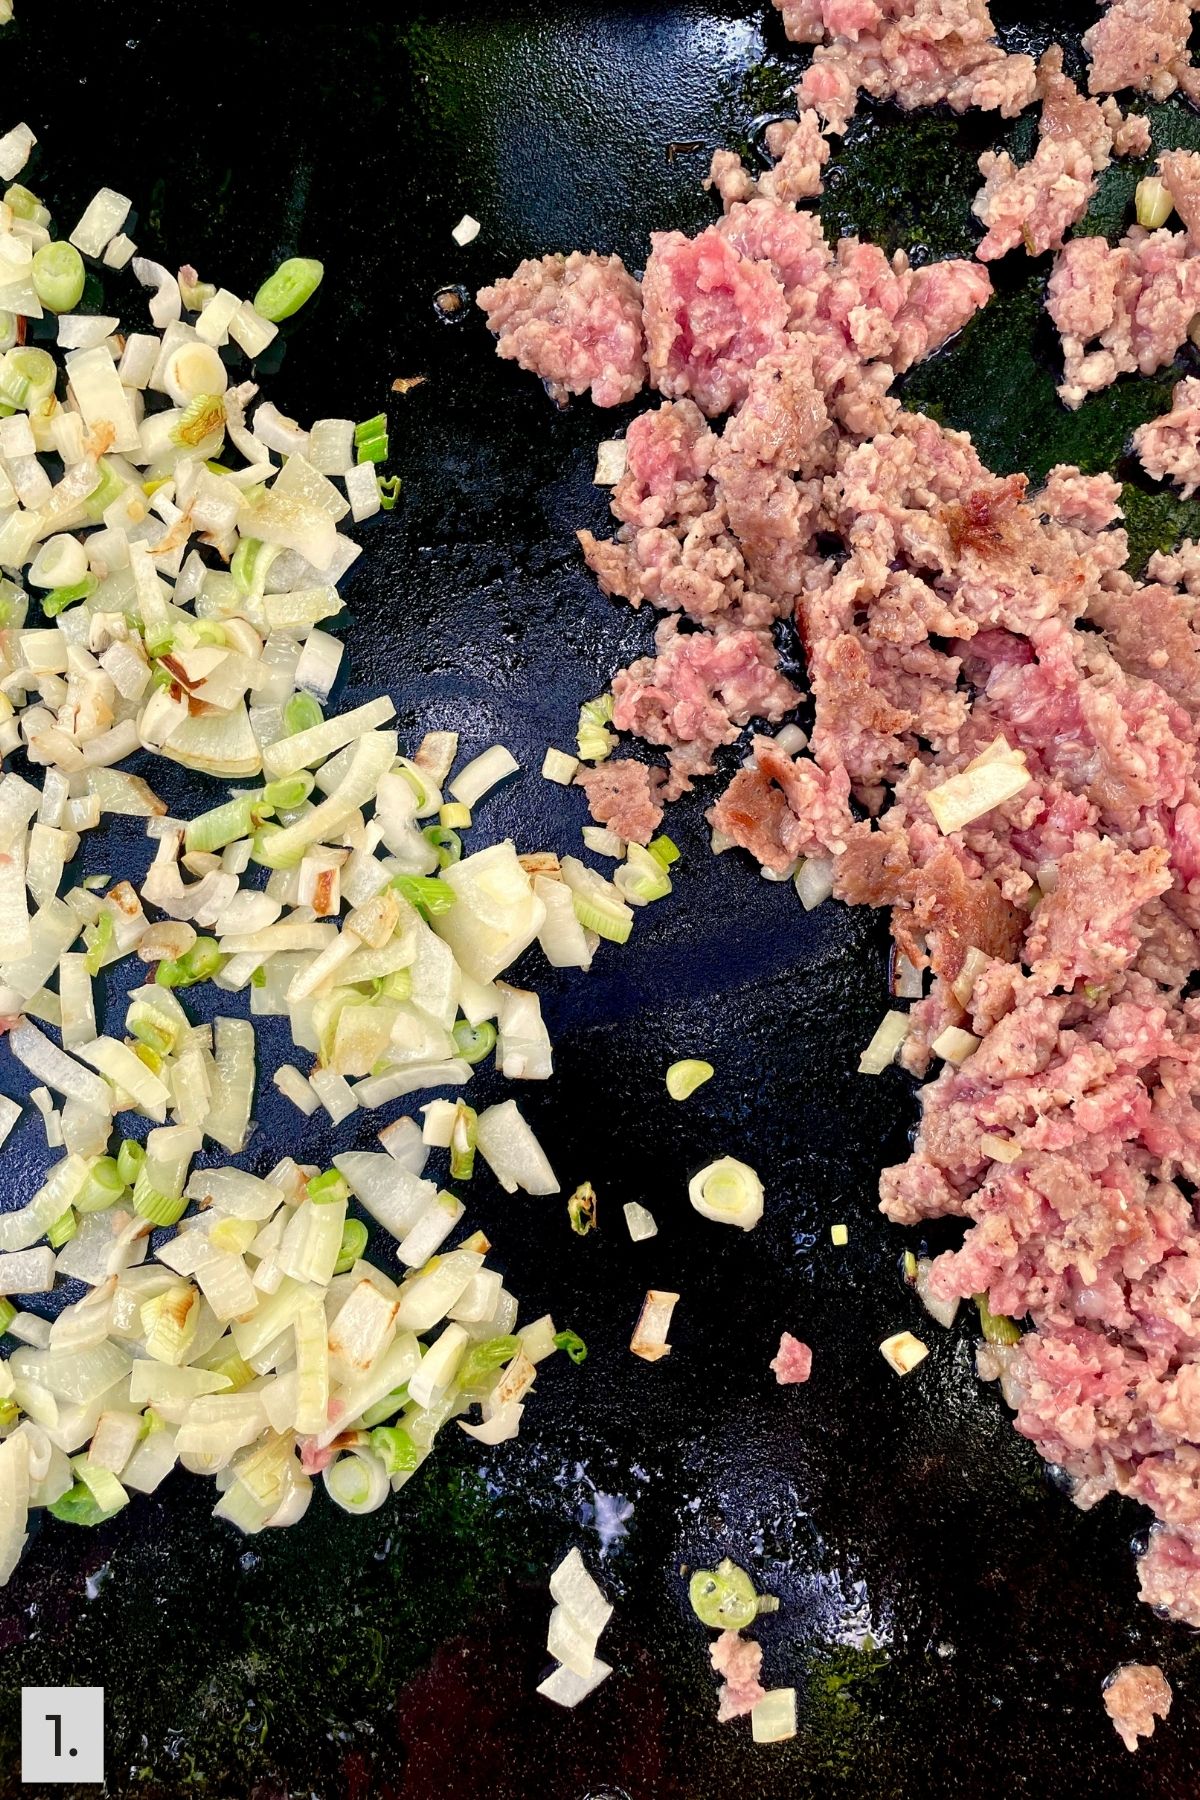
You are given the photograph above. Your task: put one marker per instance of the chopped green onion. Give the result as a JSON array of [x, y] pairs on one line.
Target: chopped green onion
[[10, 1412], [148, 1026], [484, 1359], [581, 1209], [251, 565], [997, 1328], [302, 713], [159, 1208], [326, 1189], [224, 824], [200, 963], [79, 1506], [396, 1449], [910, 1265], [665, 849], [290, 791], [23, 203], [37, 369], [389, 492], [371, 439], [447, 843], [209, 631], [63, 1230], [474, 1042], [595, 742], [58, 599], [683, 1078], [150, 1057], [14, 389], [385, 1409], [723, 1598], [98, 938], [610, 919], [572, 1343], [372, 450], [729, 1192], [396, 986], [354, 1242], [642, 877], [130, 1158], [258, 977], [201, 418], [58, 277], [159, 638], [286, 291], [462, 1142], [111, 488], [8, 1313], [430, 896], [103, 1187]]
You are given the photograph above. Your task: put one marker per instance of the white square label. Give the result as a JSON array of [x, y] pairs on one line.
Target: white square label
[[62, 1734]]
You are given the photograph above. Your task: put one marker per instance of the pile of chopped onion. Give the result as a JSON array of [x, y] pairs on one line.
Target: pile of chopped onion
[[580, 1614], [172, 546]]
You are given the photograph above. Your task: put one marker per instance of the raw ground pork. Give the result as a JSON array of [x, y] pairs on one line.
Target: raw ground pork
[[792, 1363], [1038, 203], [1122, 309], [1169, 447], [1141, 44], [576, 321], [1134, 1696], [949, 615], [738, 1661], [916, 52]]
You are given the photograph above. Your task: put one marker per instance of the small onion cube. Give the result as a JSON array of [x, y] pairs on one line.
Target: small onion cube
[[649, 1339], [612, 457], [954, 1045], [103, 217], [880, 1053], [998, 775], [639, 1221], [16, 146], [902, 1352], [559, 767], [566, 1688], [773, 1719], [466, 231], [839, 1235], [574, 1588]]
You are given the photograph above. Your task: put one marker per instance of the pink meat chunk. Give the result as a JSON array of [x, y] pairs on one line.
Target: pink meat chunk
[[1083, 930], [625, 795], [1135, 1695], [1139, 44], [1124, 309], [1036, 204], [1168, 448], [697, 693], [1169, 1573], [1155, 633], [792, 1362], [1180, 173], [916, 52], [575, 321], [784, 808], [738, 1661], [710, 315]]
